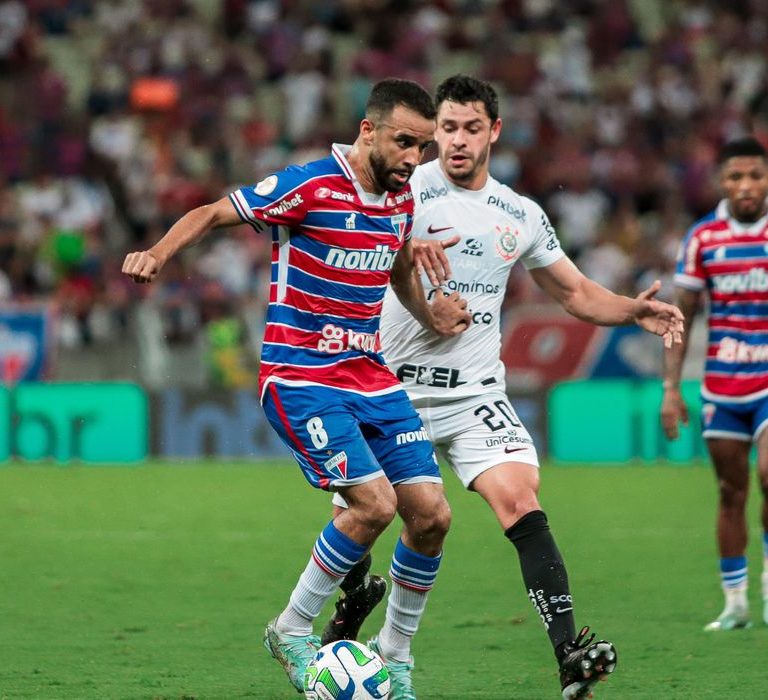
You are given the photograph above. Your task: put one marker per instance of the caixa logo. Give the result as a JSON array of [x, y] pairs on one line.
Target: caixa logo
[[224, 424], [431, 376]]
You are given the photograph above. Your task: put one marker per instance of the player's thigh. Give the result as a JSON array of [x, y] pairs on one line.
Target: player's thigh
[[728, 430], [322, 431], [479, 434], [398, 440], [761, 440]]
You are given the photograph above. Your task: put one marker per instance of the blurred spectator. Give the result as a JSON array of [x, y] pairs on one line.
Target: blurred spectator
[[116, 117]]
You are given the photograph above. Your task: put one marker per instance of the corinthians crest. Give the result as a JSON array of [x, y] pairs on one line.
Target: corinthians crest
[[506, 243]]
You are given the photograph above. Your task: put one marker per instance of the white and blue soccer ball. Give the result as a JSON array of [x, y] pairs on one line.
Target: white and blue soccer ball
[[346, 670]]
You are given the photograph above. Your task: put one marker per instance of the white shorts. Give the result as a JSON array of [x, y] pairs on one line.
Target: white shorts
[[475, 434]]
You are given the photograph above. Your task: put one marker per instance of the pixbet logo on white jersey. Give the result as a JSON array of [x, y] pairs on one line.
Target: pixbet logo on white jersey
[[755, 280], [380, 258]]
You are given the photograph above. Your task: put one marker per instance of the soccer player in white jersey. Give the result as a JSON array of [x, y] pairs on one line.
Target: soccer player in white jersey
[[457, 385], [725, 259]]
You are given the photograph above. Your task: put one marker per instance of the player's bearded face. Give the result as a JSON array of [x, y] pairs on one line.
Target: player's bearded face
[[389, 177], [744, 180], [400, 140]]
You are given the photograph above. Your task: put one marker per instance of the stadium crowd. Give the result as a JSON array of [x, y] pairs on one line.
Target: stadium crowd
[[116, 117]]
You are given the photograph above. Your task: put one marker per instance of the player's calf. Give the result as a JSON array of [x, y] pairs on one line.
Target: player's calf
[[584, 664]]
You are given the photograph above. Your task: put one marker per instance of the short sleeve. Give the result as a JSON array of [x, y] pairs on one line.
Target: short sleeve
[[545, 246], [277, 200], [689, 271]]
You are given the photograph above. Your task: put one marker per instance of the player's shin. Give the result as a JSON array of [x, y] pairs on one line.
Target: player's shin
[[413, 575], [333, 555], [545, 577]]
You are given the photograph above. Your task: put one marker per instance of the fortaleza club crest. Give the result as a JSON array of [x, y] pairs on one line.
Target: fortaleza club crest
[[506, 243], [398, 224], [337, 464]]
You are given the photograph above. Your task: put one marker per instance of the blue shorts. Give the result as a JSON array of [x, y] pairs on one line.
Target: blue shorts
[[340, 438], [732, 420]]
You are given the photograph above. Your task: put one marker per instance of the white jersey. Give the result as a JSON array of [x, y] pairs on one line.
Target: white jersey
[[498, 227]]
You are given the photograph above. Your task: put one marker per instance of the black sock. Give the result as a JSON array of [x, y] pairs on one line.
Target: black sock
[[545, 577], [357, 576]]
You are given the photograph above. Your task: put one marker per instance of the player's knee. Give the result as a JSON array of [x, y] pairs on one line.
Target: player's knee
[[377, 515], [434, 522], [732, 496]]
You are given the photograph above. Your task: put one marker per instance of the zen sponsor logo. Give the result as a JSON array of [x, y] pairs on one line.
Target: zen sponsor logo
[[286, 205], [411, 436], [326, 193], [444, 377], [755, 280], [380, 258], [512, 210], [399, 198]]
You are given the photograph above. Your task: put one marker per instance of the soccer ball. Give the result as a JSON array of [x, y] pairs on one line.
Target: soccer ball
[[346, 670]]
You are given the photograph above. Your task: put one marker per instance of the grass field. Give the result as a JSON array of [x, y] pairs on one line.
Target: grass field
[[156, 582]]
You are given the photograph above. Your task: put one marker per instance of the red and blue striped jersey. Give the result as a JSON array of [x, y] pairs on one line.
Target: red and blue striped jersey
[[333, 246], [729, 260]]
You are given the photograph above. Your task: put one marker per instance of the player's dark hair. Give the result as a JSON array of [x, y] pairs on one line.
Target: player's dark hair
[[748, 146], [393, 92], [464, 89]]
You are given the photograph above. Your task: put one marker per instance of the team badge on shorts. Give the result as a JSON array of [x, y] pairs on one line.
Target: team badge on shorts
[[337, 464], [506, 245], [708, 413]]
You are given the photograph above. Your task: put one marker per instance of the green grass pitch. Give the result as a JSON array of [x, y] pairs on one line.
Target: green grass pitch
[[156, 582]]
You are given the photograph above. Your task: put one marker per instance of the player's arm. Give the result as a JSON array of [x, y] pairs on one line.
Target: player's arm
[[143, 266], [585, 299], [673, 408], [446, 315]]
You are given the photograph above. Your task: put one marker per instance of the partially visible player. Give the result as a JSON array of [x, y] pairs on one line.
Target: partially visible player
[[457, 384], [724, 258], [341, 229]]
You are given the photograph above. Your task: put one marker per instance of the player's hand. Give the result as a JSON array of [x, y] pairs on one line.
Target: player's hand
[[673, 412], [658, 317], [142, 267], [449, 314], [430, 257]]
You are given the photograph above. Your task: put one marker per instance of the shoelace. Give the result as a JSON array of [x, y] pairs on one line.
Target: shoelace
[[580, 642]]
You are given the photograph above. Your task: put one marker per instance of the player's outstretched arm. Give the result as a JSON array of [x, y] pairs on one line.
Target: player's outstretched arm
[[673, 409], [590, 301], [447, 316], [143, 266]]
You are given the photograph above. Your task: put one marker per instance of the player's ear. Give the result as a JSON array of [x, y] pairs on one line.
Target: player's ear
[[367, 131], [495, 130]]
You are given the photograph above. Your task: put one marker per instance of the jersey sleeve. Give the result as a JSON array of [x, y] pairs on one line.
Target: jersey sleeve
[[277, 200], [545, 246], [689, 271]]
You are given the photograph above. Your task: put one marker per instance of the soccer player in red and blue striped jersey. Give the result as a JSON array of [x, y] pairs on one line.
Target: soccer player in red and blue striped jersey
[[725, 258], [340, 229]]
